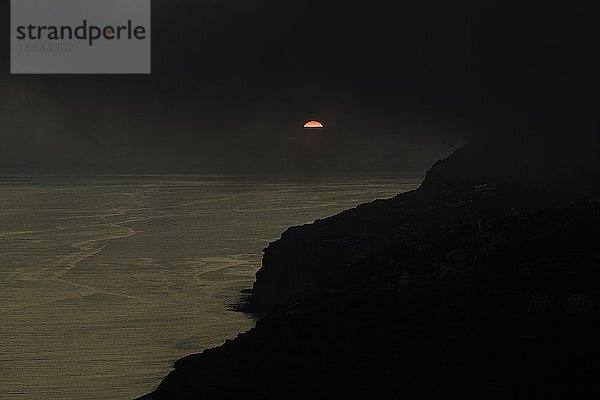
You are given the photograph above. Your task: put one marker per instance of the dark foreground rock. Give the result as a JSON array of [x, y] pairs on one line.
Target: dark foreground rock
[[484, 281]]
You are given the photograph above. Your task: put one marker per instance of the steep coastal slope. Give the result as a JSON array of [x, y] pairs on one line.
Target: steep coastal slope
[[484, 281], [455, 214]]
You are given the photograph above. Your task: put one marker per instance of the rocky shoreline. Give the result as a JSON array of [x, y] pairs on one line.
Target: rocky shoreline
[[483, 281]]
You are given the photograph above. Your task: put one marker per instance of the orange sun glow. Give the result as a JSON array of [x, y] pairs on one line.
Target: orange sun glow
[[313, 124]]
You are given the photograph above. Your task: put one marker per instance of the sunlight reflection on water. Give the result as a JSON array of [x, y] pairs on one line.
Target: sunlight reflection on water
[[105, 282]]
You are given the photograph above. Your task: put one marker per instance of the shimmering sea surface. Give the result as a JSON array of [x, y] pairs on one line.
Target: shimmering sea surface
[[106, 281]]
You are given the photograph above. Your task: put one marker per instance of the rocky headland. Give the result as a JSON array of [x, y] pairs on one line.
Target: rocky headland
[[484, 281]]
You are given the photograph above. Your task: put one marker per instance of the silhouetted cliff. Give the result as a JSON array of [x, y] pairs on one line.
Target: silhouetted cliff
[[468, 192], [484, 281]]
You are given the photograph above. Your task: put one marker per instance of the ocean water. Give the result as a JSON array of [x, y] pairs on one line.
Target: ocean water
[[106, 281]]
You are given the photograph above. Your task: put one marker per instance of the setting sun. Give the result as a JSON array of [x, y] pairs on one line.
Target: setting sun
[[314, 124]]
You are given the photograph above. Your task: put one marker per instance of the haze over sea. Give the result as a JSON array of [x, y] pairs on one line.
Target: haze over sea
[[106, 281]]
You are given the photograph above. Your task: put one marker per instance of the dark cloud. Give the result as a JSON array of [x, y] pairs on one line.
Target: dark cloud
[[398, 83]]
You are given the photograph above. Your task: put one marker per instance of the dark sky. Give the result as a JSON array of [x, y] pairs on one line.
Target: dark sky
[[398, 83]]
